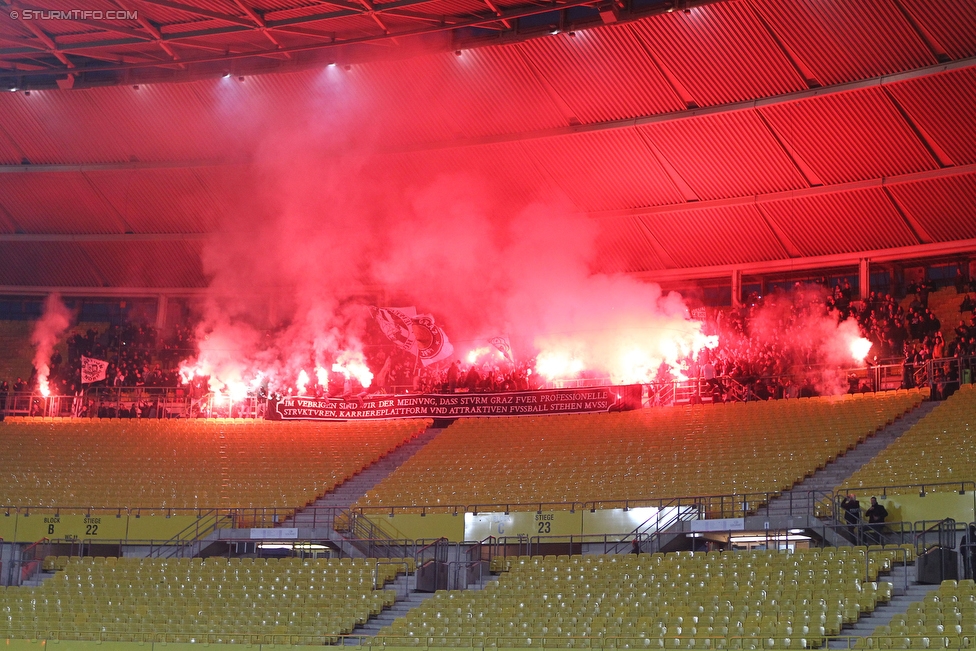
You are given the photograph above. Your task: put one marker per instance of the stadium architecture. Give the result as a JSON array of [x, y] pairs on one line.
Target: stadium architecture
[[488, 323]]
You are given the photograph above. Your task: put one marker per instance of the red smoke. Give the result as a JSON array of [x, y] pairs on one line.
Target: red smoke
[[54, 320], [325, 228]]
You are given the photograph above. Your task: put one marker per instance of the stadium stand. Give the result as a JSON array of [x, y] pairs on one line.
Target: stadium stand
[[937, 449], [946, 619], [761, 447], [682, 600], [152, 465], [259, 601]]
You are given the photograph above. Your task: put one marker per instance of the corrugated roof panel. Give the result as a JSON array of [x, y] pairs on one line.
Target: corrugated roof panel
[[952, 23], [501, 173], [944, 207], [9, 154], [485, 91], [47, 128], [492, 91], [843, 222], [843, 41], [392, 94], [943, 106], [602, 74], [623, 247], [604, 170], [202, 120], [164, 201], [147, 264], [720, 52], [56, 202], [850, 136], [46, 264], [714, 236], [725, 155]]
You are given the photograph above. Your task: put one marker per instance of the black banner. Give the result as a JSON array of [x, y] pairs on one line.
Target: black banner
[[459, 405]]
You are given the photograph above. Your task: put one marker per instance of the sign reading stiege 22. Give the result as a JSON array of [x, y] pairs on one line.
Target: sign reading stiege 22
[[458, 405]]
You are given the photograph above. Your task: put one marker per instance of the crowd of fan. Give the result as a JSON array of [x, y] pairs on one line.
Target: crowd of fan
[[761, 346], [136, 359]]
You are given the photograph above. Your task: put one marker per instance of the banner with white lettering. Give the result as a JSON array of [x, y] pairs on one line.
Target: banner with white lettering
[[459, 405], [93, 370]]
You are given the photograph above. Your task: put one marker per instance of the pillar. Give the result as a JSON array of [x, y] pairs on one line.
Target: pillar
[[736, 288], [162, 303], [864, 278]]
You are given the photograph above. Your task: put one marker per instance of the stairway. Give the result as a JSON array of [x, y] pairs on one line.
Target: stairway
[[836, 472], [882, 615], [402, 606], [316, 519]]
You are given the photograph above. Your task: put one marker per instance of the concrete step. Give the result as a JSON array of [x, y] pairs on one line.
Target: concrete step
[[836, 472]]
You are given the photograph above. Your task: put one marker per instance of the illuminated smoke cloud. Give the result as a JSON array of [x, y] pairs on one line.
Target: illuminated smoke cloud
[[798, 327], [54, 320], [326, 227]]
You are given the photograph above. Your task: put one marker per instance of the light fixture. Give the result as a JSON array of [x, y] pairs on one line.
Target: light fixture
[[553, 30], [27, 92], [571, 33], [240, 79], [331, 64], [136, 87], [226, 75]]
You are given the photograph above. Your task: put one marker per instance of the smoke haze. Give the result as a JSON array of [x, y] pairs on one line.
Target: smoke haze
[[54, 320]]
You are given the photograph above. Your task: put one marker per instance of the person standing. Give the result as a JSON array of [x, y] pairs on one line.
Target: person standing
[[876, 517], [852, 514]]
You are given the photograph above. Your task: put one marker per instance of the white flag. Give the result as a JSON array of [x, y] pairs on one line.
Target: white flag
[[92, 370], [504, 347], [432, 343]]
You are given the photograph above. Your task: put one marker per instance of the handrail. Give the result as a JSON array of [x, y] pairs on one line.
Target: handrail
[[726, 503], [962, 485]]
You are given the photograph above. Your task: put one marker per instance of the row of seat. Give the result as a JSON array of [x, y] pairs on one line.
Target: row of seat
[[650, 601], [761, 448], [174, 464], [945, 619], [154, 600], [940, 448]]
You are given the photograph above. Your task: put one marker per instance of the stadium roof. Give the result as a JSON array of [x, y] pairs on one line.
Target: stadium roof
[[736, 134]]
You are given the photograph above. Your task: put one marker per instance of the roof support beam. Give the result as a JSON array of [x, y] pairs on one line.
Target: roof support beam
[[253, 15], [52, 47], [873, 82], [104, 237], [919, 251], [120, 292], [792, 194]]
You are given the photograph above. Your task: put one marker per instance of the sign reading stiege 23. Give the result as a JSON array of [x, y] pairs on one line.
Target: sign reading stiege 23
[[458, 405]]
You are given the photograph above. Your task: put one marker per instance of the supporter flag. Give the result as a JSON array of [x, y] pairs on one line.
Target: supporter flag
[[699, 314], [432, 343], [93, 370], [397, 324], [502, 344]]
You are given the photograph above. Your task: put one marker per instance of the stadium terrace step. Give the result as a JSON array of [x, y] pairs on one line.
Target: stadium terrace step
[[836, 472], [883, 614], [346, 493], [402, 606]]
